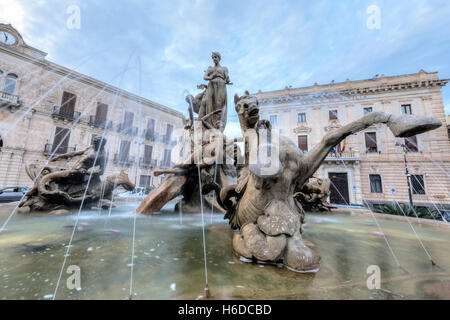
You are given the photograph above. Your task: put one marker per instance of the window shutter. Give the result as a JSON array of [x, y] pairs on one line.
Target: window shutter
[[101, 113], [61, 141]]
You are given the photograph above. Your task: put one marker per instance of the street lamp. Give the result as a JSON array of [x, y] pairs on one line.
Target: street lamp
[[408, 175]]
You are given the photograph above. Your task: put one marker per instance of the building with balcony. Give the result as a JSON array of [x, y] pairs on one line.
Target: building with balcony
[[368, 167], [47, 109]]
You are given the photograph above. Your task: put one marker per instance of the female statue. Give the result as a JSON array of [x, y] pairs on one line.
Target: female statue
[[214, 103]]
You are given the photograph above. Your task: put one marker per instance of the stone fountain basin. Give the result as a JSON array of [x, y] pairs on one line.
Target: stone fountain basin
[[169, 258]]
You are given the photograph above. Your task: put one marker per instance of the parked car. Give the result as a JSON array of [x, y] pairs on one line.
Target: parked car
[[11, 194], [446, 215]]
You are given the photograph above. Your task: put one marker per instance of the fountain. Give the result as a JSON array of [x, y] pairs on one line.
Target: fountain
[[265, 194], [263, 207]]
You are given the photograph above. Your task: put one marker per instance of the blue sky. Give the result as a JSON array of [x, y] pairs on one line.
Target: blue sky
[[266, 45]]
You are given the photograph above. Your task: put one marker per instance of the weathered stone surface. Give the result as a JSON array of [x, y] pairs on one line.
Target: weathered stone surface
[[410, 125], [270, 198], [59, 188], [169, 189], [314, 194], [263, 206]]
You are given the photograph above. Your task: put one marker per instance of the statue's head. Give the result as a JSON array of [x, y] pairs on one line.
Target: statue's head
[[98, 143], [247, 108], [216, 57]]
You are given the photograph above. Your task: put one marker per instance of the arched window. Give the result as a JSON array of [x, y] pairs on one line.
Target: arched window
[[10, 83]]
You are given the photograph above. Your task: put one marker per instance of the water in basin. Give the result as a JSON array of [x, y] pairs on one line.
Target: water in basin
[[168, 262]]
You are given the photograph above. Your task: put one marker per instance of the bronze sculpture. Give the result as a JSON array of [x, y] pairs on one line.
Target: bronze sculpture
[[313, 195], [213, 107], [264, 207], [63, 188]]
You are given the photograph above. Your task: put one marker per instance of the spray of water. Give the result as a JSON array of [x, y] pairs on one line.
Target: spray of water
[[207, 292]]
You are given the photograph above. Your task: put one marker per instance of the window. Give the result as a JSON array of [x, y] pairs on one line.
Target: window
[[368, 110], [303, 143], [375, 183], [371, 142], [61, 141], [124, 151], [417, 184], [10, 83], [148, 152], [169, 131], [1, 143], [167, 158], [150, 128], [101, 113], [68, 104], [411, 144], [406, 109], [128, 120], [273, 121], [302, 117], [333, 115], [145, 181]]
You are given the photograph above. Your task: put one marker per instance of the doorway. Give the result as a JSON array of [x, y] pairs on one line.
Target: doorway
[[339, 188]]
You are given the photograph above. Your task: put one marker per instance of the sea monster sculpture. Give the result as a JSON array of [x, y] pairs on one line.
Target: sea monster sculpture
[[57, 189], [313, 195], [263, 209]]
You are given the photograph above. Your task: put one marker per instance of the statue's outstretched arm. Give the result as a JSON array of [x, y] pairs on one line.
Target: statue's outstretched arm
[[400, 125]]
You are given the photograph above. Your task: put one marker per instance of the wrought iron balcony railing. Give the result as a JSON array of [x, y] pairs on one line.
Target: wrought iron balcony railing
[[67, 114], [50, 149], [150, 135], [168, 140], [125, 129], [343, 155], [100, 123], [147, 163], [123, 160]]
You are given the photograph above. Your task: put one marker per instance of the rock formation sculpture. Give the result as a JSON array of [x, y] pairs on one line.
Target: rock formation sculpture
[[60, 188]]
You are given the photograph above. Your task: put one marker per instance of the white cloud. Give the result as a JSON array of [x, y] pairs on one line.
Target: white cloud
[[13, 12]]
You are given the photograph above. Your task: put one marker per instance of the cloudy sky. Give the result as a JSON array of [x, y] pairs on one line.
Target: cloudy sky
[[266, 45]]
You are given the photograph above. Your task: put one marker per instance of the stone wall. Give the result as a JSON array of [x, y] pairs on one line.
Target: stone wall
[[25, 129]]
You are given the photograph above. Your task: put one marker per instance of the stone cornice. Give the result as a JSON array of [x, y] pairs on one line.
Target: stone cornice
[[333, 125], [349, 94], [302, 127]]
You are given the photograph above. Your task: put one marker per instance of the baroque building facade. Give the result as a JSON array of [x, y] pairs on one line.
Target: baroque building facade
[[369, 167], [47, 109]]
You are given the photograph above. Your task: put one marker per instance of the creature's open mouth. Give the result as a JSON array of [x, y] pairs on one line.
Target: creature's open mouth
[[253, 112]]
